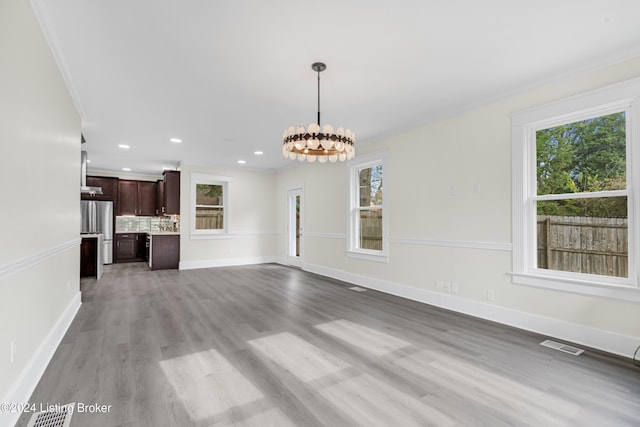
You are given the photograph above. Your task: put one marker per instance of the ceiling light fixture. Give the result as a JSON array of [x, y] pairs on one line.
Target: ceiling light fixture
[[242, 162], [258, 153], [318, 143], [126, 169], [124, 146], [176, 140]]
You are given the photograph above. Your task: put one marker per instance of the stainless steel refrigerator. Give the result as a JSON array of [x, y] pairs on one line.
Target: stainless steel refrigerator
[[97, 217]]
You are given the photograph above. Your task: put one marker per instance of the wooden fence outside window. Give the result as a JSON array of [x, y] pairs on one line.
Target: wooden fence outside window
[[209, 219], [371, 230], [583, 245]]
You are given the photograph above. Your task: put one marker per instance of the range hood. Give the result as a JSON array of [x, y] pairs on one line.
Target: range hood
[[83, 177]]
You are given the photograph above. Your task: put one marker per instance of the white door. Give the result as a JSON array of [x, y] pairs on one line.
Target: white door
[[294, 227]]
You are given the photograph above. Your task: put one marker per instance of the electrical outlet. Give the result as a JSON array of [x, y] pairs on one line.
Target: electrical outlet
[[491, 295], [454, 288], [13, 350], [439, 285], [447, 287]]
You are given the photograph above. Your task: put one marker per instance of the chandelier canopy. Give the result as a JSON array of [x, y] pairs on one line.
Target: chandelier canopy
[[316, 142]]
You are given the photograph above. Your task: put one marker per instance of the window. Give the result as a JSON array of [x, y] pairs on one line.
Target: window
[[368, 217], [575, 206], [577, 233], [209, 205]]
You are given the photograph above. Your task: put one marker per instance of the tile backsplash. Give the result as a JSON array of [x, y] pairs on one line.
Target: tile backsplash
[[147, 223]]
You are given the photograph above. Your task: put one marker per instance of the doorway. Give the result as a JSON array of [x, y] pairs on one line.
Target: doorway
[[294, 227]]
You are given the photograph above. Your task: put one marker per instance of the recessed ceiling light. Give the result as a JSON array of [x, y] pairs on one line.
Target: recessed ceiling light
[[242, 162], [88, 161], [126, 169], [167, 169], [176, 140], [258, 153], [125, 146]]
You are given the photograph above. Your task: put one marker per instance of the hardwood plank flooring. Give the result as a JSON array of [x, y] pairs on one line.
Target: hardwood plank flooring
[[269, 345]]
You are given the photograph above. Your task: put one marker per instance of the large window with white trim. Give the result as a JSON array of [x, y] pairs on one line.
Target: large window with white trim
[[368, 237], [581, 196], [575, 175]]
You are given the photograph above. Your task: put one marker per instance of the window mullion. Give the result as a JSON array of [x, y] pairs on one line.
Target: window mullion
[[584, 195]]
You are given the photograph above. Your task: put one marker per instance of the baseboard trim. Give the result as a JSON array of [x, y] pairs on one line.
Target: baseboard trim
[[225, 262], [611, 342], [26, 383]]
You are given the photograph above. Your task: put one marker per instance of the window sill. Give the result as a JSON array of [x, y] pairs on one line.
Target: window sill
[[625, 292], [368, 256]]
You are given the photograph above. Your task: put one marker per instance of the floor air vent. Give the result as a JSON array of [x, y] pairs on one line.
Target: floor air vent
[[562, 347], [357, 289], [60, 416]]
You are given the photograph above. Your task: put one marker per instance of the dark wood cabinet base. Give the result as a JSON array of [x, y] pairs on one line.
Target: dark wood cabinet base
[[88, 257], [130, 247], [165, 252]]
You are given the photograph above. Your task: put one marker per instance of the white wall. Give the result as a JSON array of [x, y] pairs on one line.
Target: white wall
[[251, 215], [39, 197], [448, 189]]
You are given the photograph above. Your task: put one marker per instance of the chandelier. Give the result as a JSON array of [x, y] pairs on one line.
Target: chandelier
[[318, 143]]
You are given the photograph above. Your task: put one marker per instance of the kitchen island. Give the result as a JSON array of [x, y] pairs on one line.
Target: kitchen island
[[163, 249], [91, 258]]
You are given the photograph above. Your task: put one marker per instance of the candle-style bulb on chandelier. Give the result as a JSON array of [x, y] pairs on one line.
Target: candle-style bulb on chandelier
[[316, 142]]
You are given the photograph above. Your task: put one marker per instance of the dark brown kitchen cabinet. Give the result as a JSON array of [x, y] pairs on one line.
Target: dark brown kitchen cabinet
[[147, 198], [126, 247], [88, 257], [127, 203], [171, 192], [130, 247], [136, 198], [165, 252], [160, 205], [109, 187]]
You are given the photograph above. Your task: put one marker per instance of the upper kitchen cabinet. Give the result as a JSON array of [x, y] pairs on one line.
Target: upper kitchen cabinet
[[109, 188], [147, 198], [160, 206], [137, 198], [171, 193], [127, 197]]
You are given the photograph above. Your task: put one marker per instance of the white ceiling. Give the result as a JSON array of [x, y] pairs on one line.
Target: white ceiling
[[228, 76]]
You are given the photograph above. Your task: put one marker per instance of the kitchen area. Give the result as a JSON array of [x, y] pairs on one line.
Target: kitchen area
[[126, 220]]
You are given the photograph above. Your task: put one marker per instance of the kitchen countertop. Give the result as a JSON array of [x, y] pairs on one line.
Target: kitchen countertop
[[90, 235], [163, 233], [153, 233]]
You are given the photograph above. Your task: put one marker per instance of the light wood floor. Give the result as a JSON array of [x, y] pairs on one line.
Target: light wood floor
[[273, 346]]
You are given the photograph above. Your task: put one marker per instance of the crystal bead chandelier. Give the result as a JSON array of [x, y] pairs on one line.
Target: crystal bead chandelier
[[317, 142]]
